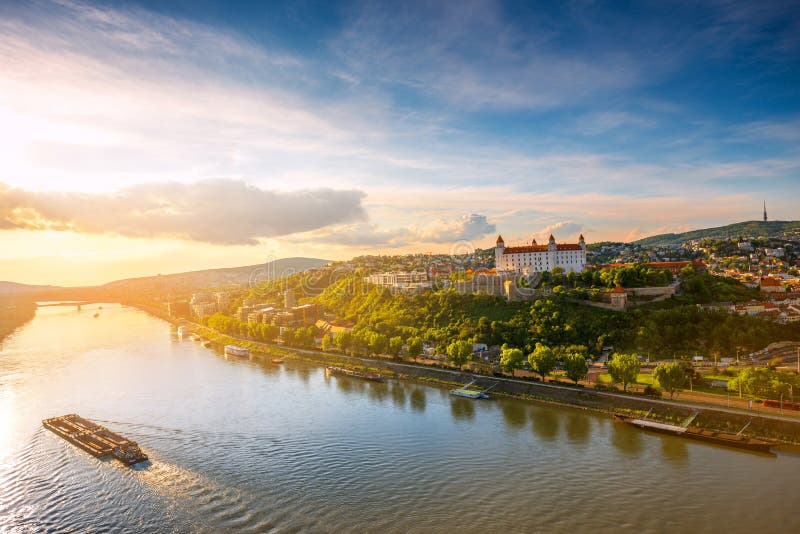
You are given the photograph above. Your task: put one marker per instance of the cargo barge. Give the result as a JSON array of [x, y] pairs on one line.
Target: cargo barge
[[699, 434], [95, 439], [375, 377]]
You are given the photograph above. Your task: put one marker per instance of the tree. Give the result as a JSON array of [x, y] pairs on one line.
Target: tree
[[671, 377], [542, 360], [343, 340], [378, 343], [414, 346], [327, 342], [395, 346], [575, 366], [459, 352], [624, 368], [511, 359], [764, 383]]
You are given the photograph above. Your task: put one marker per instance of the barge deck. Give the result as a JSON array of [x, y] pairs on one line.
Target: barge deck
[[692, 432], [333, 370], [95, 439]]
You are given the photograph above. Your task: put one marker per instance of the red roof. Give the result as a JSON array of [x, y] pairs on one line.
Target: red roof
[[770, 282], [539, 248], [529, 248], [499, 239], [618, 289], [785, 296]]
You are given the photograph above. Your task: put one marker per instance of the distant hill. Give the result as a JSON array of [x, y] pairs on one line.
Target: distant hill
[[746, 229], [13, 288], [192, 281], [178, 283]]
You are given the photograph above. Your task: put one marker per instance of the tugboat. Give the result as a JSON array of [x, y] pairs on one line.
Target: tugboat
[[95, 439]]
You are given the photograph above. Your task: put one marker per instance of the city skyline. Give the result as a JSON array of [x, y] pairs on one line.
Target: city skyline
[[140, 138]]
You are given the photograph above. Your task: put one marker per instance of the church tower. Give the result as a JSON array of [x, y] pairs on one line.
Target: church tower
[[765, 211]]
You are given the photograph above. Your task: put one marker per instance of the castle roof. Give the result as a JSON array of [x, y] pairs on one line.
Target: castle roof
[[499, 239], [539, 248]]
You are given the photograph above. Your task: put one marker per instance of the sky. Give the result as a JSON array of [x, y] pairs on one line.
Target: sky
[[139, 138]]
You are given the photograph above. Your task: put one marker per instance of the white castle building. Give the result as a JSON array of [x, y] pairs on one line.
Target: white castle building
[[539, 258]]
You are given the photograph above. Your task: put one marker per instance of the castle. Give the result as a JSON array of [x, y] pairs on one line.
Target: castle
[[539, 258]]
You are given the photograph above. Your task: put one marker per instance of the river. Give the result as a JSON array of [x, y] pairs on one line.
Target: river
[[246, 446]]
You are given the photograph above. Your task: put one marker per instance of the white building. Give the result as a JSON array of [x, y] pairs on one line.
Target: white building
[[401, 280], [540, 258]]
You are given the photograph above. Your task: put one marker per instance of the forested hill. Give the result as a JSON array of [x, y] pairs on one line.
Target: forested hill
[[743, 229], [13, 288], [209, 278]]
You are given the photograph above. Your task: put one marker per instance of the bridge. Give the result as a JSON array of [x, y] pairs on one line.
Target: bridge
[[77, 303]]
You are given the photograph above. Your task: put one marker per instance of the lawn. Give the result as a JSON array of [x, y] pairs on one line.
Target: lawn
[[645, 379]]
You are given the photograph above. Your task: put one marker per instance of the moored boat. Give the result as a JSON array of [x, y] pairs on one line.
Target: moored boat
[[278, 360], [183, 332], [469, 393], [700, 434], [332, 370], [233, 350]]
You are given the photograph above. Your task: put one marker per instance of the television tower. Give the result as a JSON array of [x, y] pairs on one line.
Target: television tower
[[765, 211]]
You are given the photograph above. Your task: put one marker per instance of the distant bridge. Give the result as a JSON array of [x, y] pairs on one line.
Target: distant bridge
[[77, 303]]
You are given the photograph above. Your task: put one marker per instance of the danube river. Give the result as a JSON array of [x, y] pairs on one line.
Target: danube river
[[238, 445]]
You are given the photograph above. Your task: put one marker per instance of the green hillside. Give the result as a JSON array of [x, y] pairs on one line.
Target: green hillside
[[743, 229]]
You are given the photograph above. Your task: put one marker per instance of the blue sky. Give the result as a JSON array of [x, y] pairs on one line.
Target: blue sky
[[384, 127]]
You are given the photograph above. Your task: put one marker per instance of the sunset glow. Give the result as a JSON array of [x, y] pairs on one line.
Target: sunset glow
[[403, 134]]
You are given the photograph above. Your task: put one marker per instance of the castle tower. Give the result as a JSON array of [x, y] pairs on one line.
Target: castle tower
[[582, 242], [765, 211], [498, 253], [551, 243]]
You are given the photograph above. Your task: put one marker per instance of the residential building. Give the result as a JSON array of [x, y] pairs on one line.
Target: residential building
[[769, 284], [400, 280]]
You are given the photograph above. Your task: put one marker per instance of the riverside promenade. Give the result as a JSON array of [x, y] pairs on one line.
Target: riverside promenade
[[765, 423]]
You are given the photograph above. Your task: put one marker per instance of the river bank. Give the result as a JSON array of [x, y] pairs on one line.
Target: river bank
[[784, 430], [246, 445], [14, 312]]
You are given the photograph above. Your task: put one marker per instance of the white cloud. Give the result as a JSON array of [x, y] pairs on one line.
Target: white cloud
[[467, 227], [219, 211], [464, 228]]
